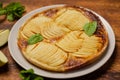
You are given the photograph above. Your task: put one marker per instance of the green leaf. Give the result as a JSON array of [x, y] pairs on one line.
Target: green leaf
[[10, 17], [27, 71], [90, 28], [13, 10], [24, 74], [35, 38], [2, 11], [1, 5], [29, 75], [13, 5]]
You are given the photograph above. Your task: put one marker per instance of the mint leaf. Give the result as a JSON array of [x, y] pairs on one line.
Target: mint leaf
[[29, 75], [27, 78], [24, 74], [30, 71], [90, 28], [13, 10], [10, 17], [35, 38], [2, 11]]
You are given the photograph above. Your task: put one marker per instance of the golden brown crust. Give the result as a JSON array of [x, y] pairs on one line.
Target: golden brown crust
[[70, 57], [22, 43]]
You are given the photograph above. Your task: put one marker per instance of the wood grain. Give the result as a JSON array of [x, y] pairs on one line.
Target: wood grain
[[109, 9]]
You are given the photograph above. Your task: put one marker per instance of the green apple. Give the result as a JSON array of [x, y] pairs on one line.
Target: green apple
[[3, 59], [4, 36]]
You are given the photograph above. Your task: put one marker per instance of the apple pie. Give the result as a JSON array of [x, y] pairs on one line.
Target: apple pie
[[64, 45]]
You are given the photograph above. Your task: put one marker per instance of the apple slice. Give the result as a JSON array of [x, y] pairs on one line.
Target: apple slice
[[3, 59], [4, 36]]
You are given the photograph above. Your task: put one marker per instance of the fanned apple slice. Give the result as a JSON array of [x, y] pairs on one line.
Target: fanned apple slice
[[49, 54], [40, 53], [40, 50], [30, 48], [90, 45], [70, 46], [84, 53], [52, 31], [35, 25], [59, 58], [70, 42], [72, 19]]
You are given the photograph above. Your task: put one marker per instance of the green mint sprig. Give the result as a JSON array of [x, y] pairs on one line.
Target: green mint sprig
[[29, 75], [12, 11]]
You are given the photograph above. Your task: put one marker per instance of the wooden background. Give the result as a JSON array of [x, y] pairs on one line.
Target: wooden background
[[109, 9]]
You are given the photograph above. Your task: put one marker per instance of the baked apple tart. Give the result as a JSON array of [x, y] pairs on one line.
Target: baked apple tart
[[63, 38]]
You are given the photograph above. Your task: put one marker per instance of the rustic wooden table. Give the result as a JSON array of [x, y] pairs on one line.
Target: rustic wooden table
[[109, 9]]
